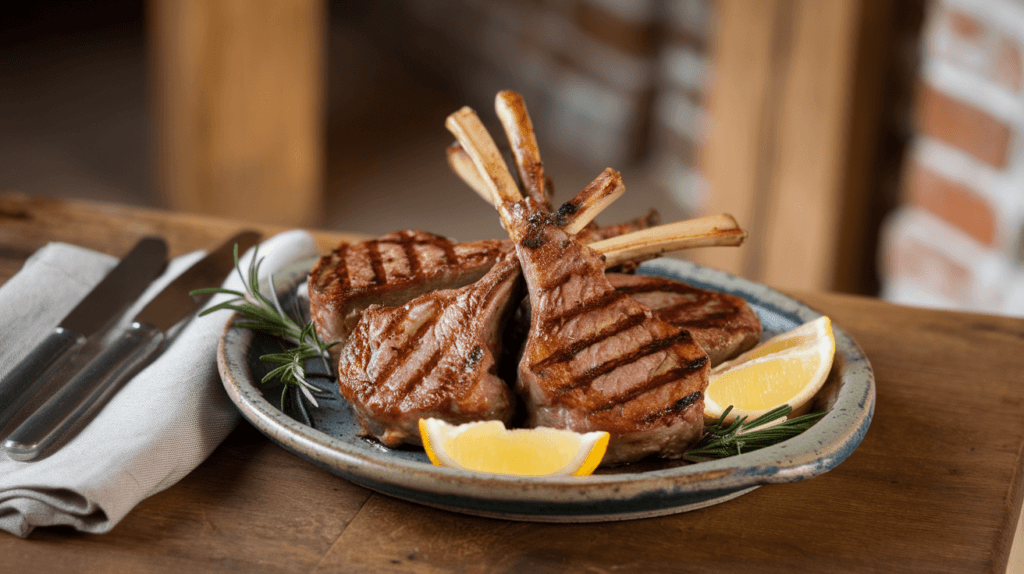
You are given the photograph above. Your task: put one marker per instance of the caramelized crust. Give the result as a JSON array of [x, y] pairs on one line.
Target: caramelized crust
[[390, 270], [596, 359], [435, 356], [723, 325]]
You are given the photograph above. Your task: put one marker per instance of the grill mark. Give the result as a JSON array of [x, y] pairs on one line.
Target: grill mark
[[654, 383], [376, 263], [678, 406], [427, 368], [421, 374], [409, 249], [390, 366], [394, 321], [450, 256], [601, 301], [341, 269], [653, 286], [588, 377], [699, 298], [408, 238], [712, 320], [566, 354], [684, 307]]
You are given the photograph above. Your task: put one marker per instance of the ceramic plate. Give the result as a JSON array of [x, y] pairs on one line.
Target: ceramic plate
[[327, 436]]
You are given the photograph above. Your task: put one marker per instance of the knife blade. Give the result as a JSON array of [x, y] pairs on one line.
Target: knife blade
[[126, 354], [107, 300]]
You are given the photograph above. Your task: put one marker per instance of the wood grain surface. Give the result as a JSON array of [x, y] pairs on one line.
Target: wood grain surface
[[798, 108], [934, 487], [237, 100]]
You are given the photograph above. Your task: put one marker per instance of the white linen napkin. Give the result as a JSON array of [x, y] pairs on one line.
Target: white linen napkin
[[158, 427]]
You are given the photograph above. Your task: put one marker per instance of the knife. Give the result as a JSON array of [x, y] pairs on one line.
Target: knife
[[108, 299], [130, 351]]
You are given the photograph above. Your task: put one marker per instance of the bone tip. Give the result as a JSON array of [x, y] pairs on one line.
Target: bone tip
[[507, 96], [456, 117]]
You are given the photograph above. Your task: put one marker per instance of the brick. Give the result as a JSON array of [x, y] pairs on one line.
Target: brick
[[1006, 66], [930, 268], [963, 126], [966, 27], [960, 40], [953, 202], [971, 45]]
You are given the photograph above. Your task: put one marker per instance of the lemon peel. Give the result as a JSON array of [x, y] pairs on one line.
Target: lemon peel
[[487, 446], [787, 369]]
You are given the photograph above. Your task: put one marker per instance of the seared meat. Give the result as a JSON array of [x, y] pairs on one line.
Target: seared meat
[[435, 356], [390, 270], [594, 359], [397, 267], [723, 325]]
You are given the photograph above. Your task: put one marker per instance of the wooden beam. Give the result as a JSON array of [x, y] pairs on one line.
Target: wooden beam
[[795, 110], [237, 94]]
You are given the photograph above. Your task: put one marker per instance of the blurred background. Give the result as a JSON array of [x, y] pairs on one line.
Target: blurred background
[[867, 146]]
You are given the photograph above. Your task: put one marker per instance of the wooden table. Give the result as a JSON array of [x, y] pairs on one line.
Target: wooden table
[[935, 485]]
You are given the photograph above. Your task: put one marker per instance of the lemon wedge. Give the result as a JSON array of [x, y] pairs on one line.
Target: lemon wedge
[[786, 369], [488, 446]]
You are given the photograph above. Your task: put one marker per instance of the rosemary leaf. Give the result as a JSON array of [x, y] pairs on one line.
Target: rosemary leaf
[[720, 440], [259, 313]]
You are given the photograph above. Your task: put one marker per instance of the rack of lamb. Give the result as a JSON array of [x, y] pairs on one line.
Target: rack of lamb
[[424, 322], [594, 358]]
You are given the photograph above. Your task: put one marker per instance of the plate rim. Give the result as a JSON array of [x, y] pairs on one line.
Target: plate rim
[[800, 456]]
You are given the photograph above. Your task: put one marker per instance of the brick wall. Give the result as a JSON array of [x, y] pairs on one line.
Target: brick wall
[[957, 241]]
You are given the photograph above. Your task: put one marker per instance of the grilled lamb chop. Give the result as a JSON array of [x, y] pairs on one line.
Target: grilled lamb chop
[[723, 325], [390, 270], [594, 359], [435, 356]]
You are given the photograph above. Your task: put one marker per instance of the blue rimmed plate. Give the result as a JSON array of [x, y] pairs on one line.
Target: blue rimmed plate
[[327, 436]]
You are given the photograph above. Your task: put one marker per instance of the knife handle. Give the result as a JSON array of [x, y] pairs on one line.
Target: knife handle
[[102, 374], [26, 378]]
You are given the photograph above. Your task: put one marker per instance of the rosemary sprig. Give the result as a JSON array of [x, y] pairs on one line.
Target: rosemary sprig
[[266, 315], [720, 440]]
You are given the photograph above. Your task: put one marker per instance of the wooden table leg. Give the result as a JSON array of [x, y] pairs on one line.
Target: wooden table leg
[[237, 92]]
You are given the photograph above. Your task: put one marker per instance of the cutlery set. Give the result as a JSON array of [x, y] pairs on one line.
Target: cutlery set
[[104, 373]]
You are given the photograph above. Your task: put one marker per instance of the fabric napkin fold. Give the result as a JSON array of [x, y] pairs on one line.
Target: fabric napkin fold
[[158, 427]]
